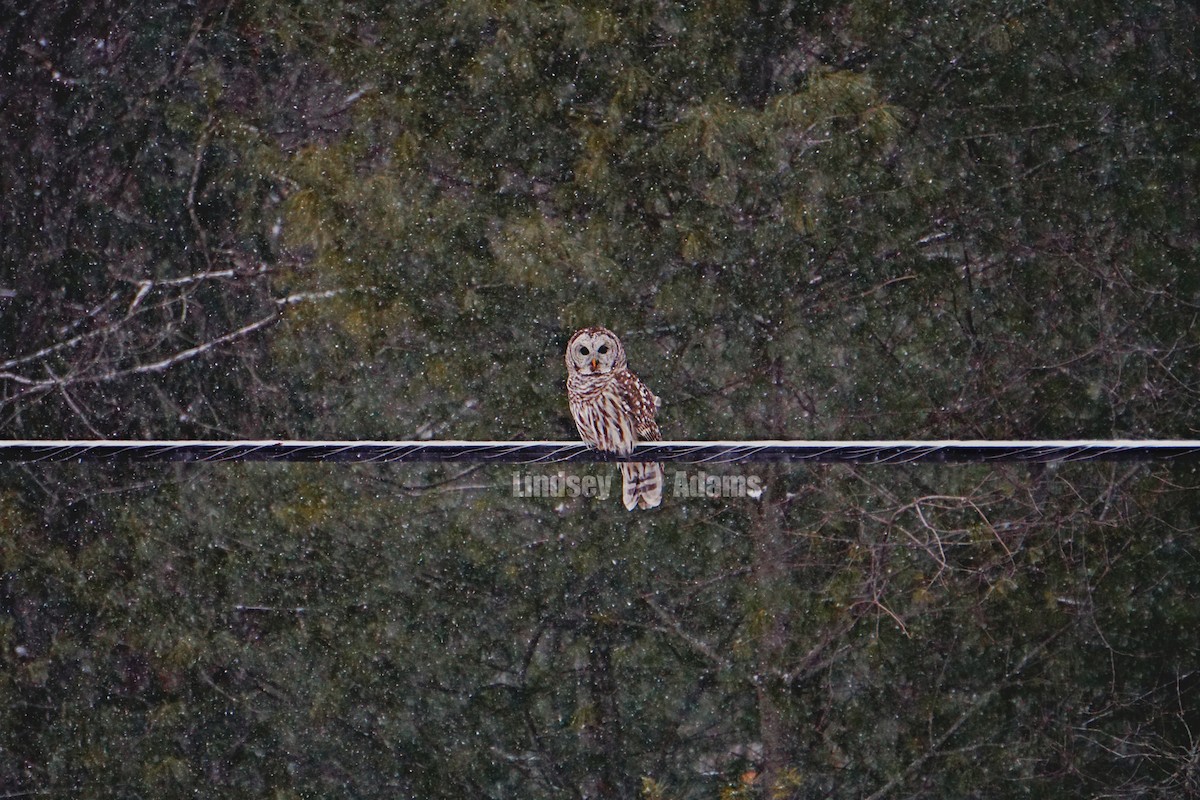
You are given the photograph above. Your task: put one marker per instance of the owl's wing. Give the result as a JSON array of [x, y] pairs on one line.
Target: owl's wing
[[641, 403]]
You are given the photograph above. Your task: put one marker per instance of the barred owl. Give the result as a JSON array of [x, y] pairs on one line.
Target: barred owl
[[614, 410]]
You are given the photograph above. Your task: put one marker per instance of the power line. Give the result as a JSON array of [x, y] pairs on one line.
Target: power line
[[698, 452]]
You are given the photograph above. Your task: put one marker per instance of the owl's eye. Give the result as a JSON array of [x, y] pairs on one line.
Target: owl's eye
[[602, 349], [583, 351]]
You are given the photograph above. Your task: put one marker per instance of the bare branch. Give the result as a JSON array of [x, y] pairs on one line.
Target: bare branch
[[674, 626], [160, 365], [208, 275], [185, 355], [937, 744]]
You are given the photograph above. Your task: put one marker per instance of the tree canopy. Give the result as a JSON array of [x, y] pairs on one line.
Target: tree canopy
[[352, 219]]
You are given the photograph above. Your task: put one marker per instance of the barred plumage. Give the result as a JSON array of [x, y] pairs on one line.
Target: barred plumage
[[614, 410]]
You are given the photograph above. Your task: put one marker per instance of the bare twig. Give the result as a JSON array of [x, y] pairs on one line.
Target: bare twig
[[201, 146]]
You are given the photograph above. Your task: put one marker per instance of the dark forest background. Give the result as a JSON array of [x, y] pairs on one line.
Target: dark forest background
[[324, 219]]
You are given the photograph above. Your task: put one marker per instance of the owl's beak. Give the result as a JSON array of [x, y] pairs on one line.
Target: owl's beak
[[595, 365]]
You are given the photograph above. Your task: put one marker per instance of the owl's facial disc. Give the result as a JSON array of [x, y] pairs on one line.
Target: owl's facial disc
[[594, 352]]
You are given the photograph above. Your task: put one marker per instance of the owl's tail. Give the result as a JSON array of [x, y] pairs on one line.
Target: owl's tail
[[641, 484]]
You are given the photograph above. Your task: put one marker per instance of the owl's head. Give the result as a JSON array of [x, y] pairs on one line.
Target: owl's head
[[595, 351]]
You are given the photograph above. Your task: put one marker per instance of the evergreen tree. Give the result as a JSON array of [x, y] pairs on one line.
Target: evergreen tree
[[292, 218]]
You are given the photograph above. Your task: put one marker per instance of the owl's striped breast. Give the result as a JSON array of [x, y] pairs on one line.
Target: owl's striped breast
[[600, 414]]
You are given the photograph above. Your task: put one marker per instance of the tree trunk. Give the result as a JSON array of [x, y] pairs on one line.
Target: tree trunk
[[770, 574], [606, 756]]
